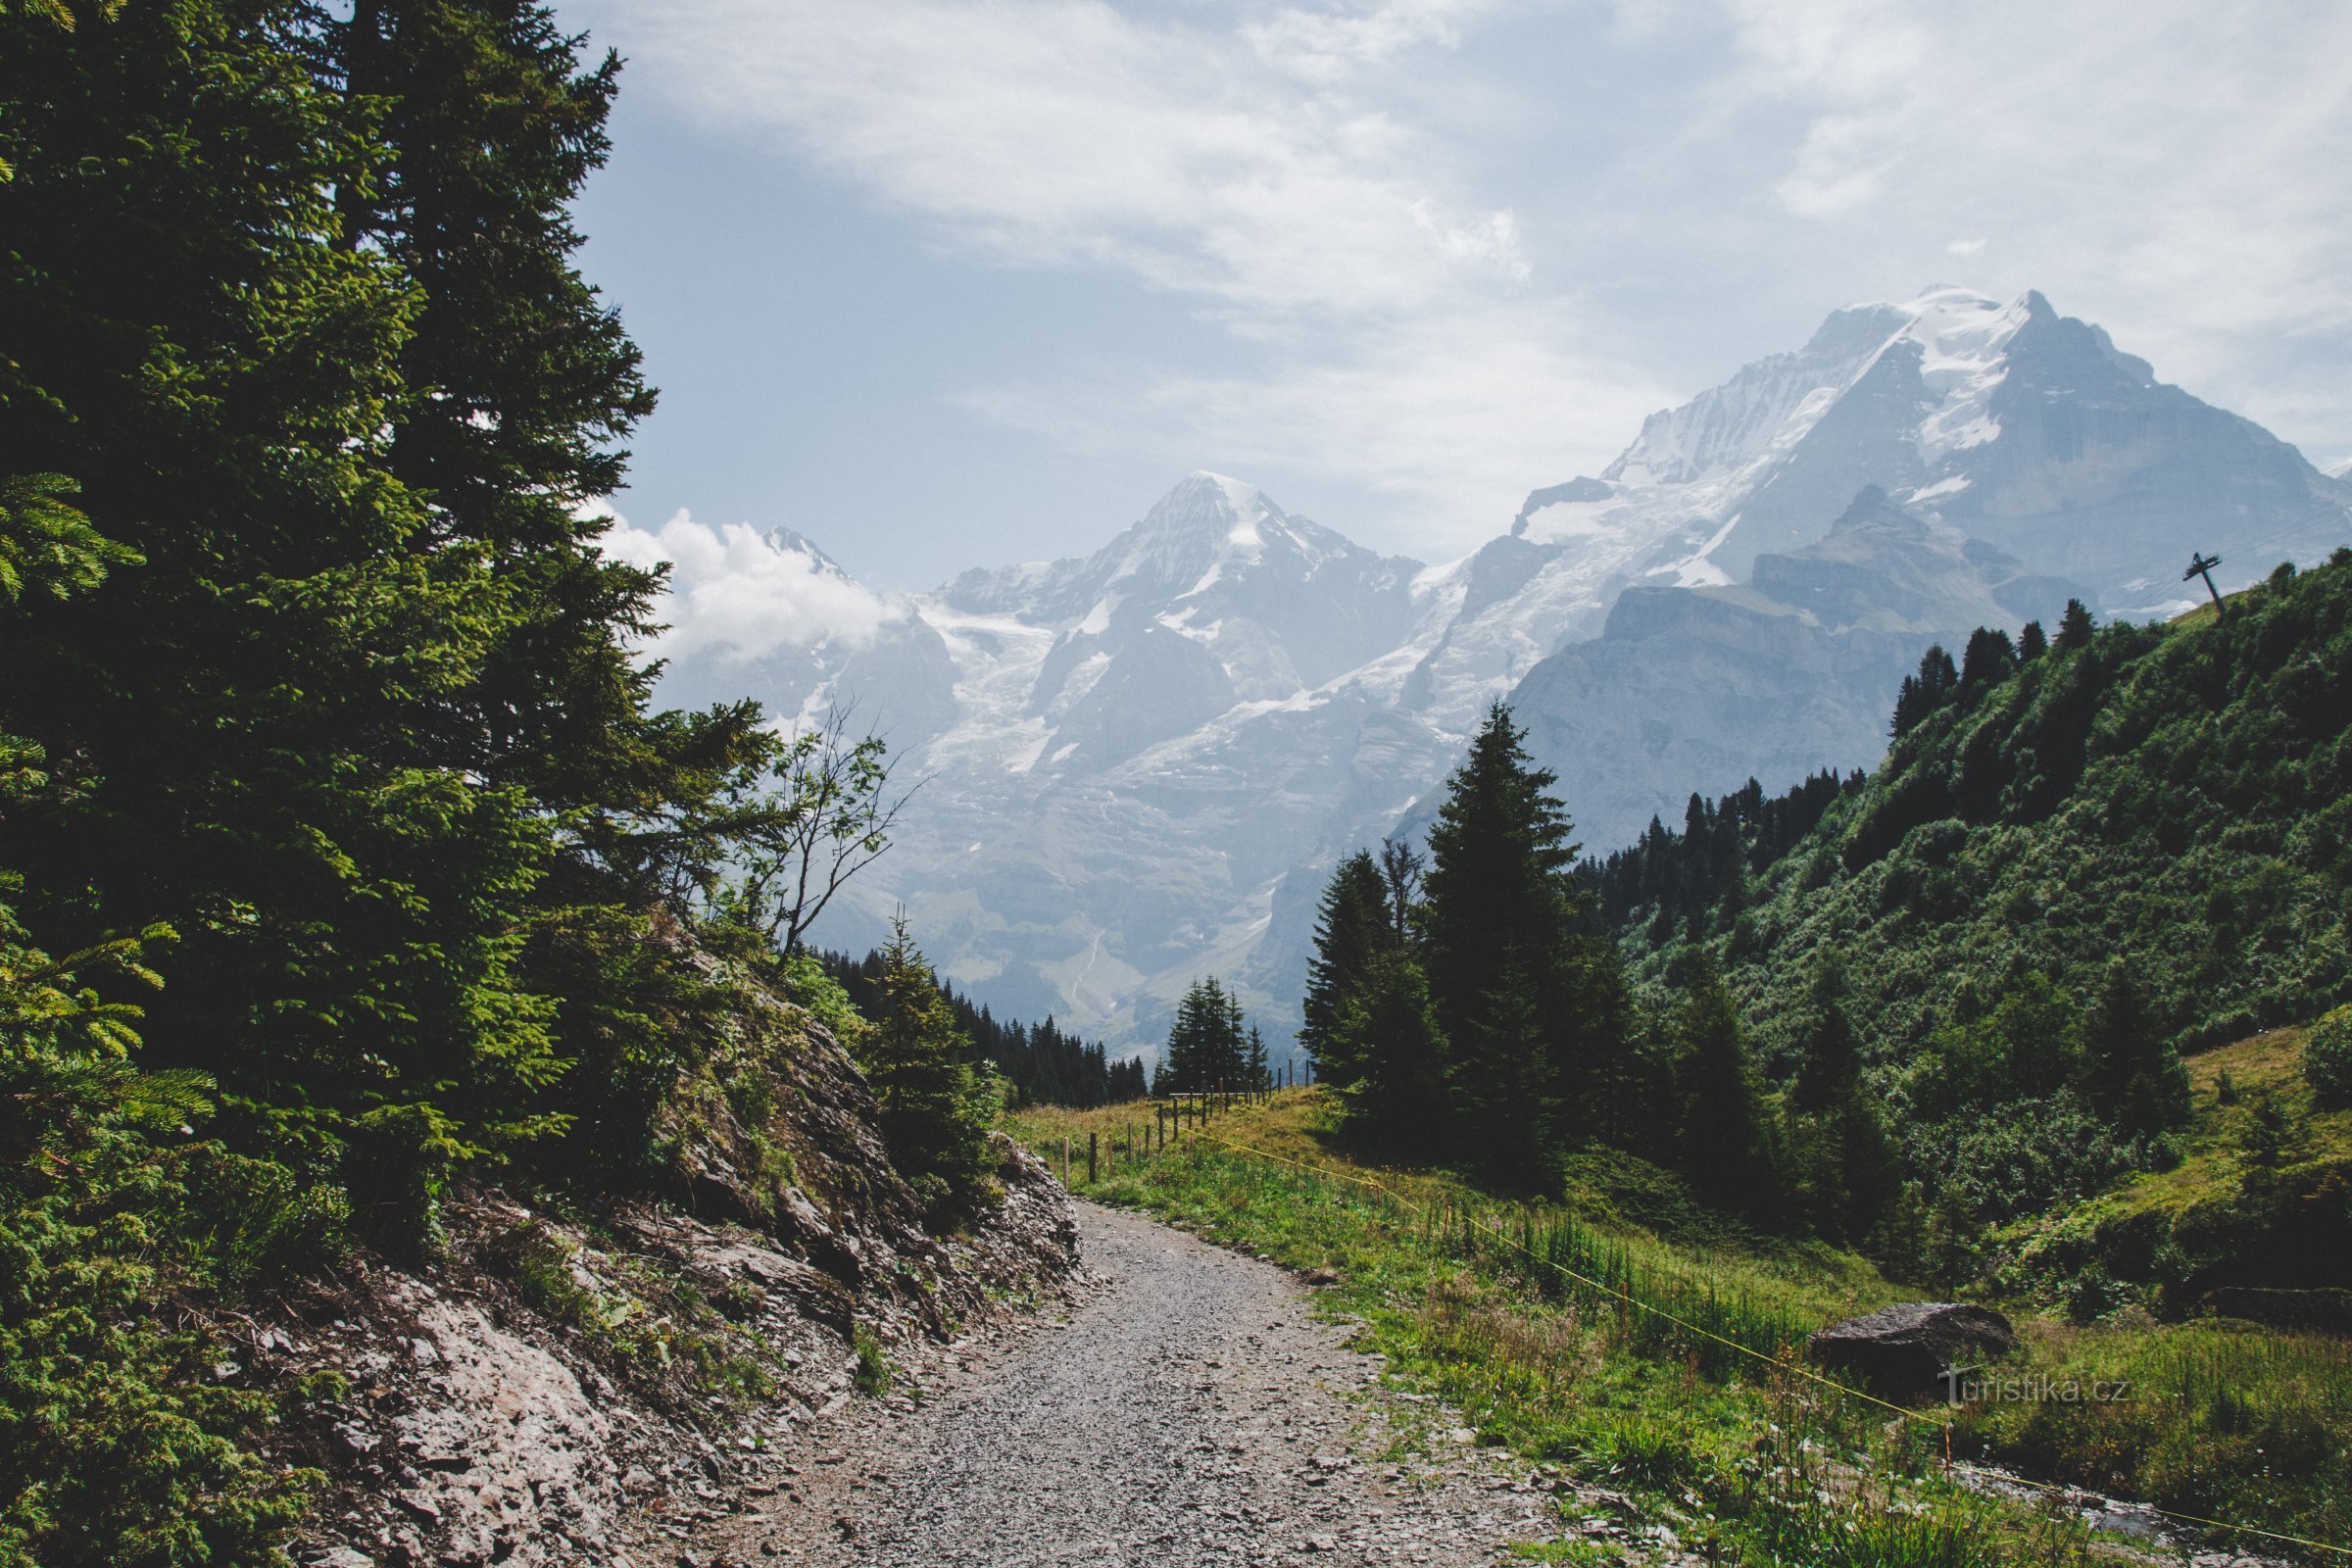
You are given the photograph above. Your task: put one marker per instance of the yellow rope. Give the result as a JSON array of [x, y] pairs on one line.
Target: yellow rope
[[1624, 1293]]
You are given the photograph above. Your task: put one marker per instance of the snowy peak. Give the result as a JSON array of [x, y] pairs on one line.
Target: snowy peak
[[2006, 421]]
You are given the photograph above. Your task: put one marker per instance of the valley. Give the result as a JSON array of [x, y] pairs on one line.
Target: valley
[[1144, 762]]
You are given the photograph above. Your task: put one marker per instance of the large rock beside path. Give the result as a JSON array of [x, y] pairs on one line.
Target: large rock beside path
[[1903, 1351]]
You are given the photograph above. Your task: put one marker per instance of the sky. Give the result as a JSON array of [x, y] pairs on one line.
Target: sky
[[948, 283]]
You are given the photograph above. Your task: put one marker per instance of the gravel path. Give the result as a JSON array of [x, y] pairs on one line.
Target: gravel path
[[1184, 1409]]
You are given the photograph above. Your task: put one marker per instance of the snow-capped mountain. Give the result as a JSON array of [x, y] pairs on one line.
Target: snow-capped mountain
[[1144, 762], [2016, 425], [1777, 677]]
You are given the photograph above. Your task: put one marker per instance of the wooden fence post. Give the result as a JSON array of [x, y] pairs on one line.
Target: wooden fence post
[[1089, 1159], [1065, 1163]]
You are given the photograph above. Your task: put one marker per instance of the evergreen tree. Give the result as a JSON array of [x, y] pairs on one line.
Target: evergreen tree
[[2130, 1073], [934, 1111], [1829, 1054], [1989, 659], [1921, 694], [1502, 927], [1389, 1031], [1353, 925], [1256, 1076], [2032, 643], [366, 727], [1722, 1121], [2073, 627], [1208, 1043]]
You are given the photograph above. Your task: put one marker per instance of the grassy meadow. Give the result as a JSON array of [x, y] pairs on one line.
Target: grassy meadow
[[1667, 1362]]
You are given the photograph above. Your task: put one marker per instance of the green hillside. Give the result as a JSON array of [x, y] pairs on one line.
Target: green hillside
[[2135, 828]]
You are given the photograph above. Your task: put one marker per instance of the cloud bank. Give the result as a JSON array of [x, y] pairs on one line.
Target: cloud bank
[[1458, 246], [737, 594]]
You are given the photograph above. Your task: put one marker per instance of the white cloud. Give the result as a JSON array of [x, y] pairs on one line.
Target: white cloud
[[1218, 163], [738, 594], [2171, 168], [1449, 274], [1448, 418]]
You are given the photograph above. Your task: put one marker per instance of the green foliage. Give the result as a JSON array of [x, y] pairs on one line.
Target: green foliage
[[1530, 1004], [1388, 1033], [1721, 1124], [936, 1113], [1209, 1043], [293, 306], [2129, 1072], [1352, 926], [2131, 846], [2328, 1057], [873, 1374], [121, 1440]]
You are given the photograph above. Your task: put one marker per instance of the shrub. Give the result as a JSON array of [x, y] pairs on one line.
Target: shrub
[[2328, 1057]]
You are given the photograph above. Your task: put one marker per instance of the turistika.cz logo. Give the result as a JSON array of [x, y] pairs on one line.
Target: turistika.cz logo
[[1971, 1385]]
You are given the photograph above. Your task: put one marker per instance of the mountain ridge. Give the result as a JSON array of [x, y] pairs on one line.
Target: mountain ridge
[[1164, 743]]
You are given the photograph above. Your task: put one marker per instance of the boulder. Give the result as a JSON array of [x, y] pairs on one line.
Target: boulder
[[1903, 1351]]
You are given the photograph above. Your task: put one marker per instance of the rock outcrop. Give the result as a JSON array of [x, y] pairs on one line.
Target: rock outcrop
[[1904, 1352]]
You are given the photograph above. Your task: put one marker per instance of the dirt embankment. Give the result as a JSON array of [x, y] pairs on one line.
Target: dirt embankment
[[594, 1384]]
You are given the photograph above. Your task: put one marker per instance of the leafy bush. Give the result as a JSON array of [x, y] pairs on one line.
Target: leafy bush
[[2328, 1057]]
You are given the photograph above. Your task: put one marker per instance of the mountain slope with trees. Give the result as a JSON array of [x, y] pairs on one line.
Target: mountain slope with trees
[[346, 867], [2085, 857]]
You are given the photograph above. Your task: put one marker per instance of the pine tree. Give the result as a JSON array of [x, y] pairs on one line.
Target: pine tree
[[2032, 643], [1500, 927], [2129, 1072], [934, 1112], [1208, 1043], [1722, 1123], [1353, 925], [2073, 627], [1989, 659], [1829, 1054], [367, 727], [1389, 1031], [1257, 1075], [1921, 694]]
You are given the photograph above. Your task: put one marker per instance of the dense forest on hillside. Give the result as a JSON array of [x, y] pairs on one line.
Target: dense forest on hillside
[[1905, 1010], [2178, 794], [344, 859], [1041, 1062]]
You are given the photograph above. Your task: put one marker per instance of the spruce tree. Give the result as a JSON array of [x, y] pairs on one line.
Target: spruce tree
[[2032, 643], [1389, 1031], [2130, 1073], [1508, 965], [1989, 659], [1722, 1121], [1924, 692], [366, 728], [933, 1109], [2073, 627], [1353, 925], [1208, 1045]]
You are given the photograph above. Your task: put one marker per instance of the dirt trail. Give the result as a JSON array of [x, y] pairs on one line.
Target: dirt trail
[[1186, 1407]]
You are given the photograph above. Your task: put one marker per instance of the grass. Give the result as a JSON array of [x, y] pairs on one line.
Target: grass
[[1748, 1460]]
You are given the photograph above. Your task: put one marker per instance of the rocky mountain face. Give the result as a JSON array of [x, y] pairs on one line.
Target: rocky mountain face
[[1145, 762], [1773, 678]]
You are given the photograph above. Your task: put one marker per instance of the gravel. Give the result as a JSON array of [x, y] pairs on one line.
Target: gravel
[[1181, 1406]]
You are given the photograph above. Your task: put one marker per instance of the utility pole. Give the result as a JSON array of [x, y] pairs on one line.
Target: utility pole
[[2200, 564]]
